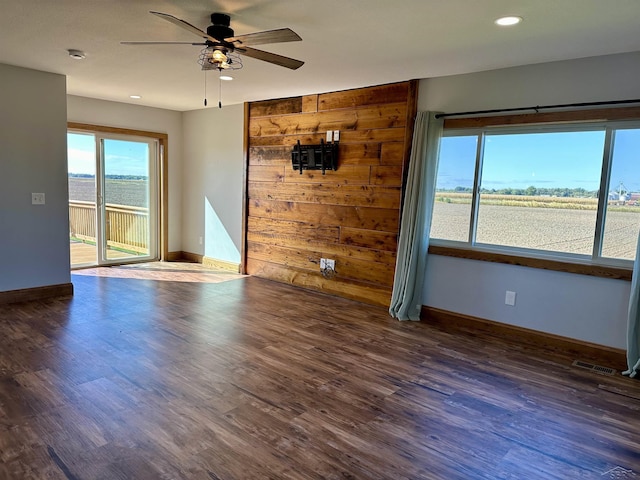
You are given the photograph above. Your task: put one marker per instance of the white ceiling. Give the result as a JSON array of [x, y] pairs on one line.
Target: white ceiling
[[346, 43]]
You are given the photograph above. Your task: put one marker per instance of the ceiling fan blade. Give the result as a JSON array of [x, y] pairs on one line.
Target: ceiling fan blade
[[270, 36], [160, 43], [183, 24], [287, 62]]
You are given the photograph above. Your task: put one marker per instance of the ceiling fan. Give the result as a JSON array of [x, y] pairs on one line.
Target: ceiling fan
[[221, 44]]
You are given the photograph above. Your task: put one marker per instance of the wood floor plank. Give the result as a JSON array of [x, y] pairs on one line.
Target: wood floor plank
[[162, 373]]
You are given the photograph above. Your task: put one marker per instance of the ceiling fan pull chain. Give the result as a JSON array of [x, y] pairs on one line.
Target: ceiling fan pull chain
[[220, 91], [205, 88]]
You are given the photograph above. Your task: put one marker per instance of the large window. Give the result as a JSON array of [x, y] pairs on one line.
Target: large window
[[566, 192]]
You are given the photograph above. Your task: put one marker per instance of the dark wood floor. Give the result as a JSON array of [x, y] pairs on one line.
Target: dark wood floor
[[161, 379]]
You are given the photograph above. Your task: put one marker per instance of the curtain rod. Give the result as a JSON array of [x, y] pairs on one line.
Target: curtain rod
[[537, 108]]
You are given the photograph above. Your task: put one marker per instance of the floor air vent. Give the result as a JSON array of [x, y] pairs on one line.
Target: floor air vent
[[594, 368]]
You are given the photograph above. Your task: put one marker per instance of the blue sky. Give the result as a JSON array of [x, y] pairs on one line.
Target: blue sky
[[121, 157], [544, 160]]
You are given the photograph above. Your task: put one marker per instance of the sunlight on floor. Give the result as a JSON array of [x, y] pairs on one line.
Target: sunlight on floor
[[162, 271]]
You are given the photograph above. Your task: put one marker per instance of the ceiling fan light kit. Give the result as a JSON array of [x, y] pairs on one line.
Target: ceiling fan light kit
[[215, 59]]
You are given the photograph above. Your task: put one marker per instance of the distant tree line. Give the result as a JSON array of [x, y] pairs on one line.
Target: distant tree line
[[112, 177], [531, 191]]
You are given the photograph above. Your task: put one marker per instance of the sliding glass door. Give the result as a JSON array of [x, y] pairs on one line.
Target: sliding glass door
[[113, 199], [126, 198]]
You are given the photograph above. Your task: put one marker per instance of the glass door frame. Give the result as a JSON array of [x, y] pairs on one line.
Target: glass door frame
[[102, 229], [161, 180]]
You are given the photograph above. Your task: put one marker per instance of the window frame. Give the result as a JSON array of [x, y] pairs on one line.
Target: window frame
[[608, 120]]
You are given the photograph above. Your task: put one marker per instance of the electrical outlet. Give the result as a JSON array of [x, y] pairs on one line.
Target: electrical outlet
[[336, 135], [200, 240], [328, 268], [329, 136], [326, 263], [37, 199], [510, 298]]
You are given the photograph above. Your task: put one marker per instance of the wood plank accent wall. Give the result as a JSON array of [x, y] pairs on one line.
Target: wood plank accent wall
[[350, 215]]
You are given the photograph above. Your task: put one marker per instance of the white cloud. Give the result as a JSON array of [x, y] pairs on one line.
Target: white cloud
[[81, 161]]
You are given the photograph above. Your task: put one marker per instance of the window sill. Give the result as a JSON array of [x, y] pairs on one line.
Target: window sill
[[617, 273]]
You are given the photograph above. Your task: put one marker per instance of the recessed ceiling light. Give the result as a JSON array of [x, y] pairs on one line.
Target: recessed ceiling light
[[226, 78], [76, 54], [508, 21], [135, 97]]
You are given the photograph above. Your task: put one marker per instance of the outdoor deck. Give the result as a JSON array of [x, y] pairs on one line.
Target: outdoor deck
[[85, 254], [126, 228]]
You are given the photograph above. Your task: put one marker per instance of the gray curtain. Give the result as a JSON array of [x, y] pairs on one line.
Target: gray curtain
[[633, 325], [413, 243]]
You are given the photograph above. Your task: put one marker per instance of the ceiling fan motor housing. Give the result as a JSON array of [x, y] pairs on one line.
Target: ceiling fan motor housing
[[220, 28]]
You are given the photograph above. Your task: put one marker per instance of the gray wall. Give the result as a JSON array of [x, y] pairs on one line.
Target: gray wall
[[577, 306], [34, 239]]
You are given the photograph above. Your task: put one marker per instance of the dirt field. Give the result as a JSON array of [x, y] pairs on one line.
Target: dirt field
[[552, 229], [119, 192]]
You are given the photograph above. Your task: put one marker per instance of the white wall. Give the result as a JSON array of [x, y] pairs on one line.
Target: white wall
[[577, 306], [34, 239], [611, 77], [212, 182], [122, 115]]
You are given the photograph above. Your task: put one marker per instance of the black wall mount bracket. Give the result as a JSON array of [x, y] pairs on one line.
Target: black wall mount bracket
[[315, 157]]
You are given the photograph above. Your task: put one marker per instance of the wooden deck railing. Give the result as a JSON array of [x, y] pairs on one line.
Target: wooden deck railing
[[82, 220], [126, 227]]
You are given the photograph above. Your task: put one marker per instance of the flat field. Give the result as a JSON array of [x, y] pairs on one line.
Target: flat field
[[119, 192], [566, 226]]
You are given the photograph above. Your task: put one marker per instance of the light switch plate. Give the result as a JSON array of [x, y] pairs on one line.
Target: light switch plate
[[510, 298]]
